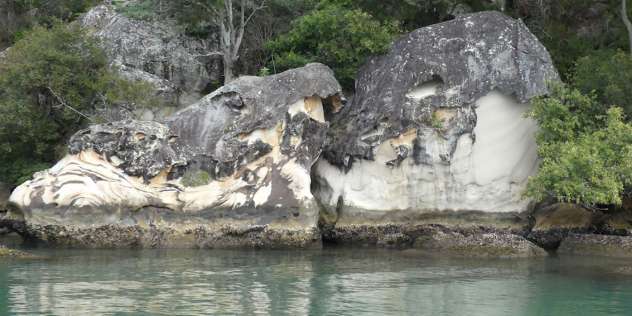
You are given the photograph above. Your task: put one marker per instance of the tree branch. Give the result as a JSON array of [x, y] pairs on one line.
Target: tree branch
[[628, 25], [66, 105]]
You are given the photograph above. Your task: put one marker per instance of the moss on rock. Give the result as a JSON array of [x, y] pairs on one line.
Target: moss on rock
[[591, 244], [196, 178], [10, 253], [554, 223], [479, 245]]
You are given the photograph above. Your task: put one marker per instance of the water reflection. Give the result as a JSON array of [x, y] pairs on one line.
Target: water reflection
[[328, 282]]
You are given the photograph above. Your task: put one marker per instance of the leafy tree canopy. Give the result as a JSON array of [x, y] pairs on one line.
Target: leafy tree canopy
[[51, 84], [585, 149], [335, 36], [607, 73], [18, 16]]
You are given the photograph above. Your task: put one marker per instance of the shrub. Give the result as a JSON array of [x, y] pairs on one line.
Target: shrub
[[141, 10], [335, 36], [585, 149], [51, 84]]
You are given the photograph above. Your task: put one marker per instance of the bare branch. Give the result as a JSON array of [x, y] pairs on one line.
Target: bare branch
[[66, 105], [628, 25]]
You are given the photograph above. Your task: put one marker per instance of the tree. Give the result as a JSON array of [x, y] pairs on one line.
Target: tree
[[51, 82], [585, 149], [231, 17], [608, 74], [17, 16], [335, 36]]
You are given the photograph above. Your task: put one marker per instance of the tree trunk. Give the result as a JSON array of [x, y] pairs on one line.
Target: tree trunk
[[230, 36], [228, 69], [628, 25]]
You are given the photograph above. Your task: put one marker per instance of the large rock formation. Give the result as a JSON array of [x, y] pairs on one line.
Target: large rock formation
[[230, 170], [435, 136], [157, 51], [437, 125]]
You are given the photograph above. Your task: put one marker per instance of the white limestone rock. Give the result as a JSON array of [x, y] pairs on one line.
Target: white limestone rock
[[437, 125]]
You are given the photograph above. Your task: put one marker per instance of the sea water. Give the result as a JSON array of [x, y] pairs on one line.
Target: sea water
[[331, 281]]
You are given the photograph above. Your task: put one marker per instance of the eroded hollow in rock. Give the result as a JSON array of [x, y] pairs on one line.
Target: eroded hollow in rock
[[332, 106], [425, 89]]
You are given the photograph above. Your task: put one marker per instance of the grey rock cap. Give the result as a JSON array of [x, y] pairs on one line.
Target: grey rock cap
[[470, 56]]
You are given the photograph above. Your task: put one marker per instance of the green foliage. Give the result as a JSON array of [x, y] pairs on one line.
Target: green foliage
[[19, 171], [431, 119], [335, 36], [17, 15], [264, 72], [609, 74], [585, 149], [51, 82], [413, 14], [196, 178], [141, 10], [193, 16], [571, 29]]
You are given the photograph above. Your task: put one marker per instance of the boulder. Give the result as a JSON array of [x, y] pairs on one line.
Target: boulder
[[554, 223], [478, 245], [10, 253], [591, 244], [230, 170], [437, 127], [156, 47]]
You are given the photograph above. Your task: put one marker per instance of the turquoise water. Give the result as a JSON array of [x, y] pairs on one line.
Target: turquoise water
[[332, 281]]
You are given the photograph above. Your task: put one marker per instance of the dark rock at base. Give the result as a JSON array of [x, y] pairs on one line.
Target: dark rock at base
[[10, 253], [158, 236], [479, 245], [554, 223], [394, 241], [591, 244], [404, 234], [618, 223]]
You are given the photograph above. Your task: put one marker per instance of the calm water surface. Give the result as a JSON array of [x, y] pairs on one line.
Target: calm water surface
[[333, 281]]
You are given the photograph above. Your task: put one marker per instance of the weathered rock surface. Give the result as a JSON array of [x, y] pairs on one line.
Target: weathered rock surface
[[602, 245], [554, 223], [479, 245], [156, 47], [437, 125], [171, 96], [231, 170]]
